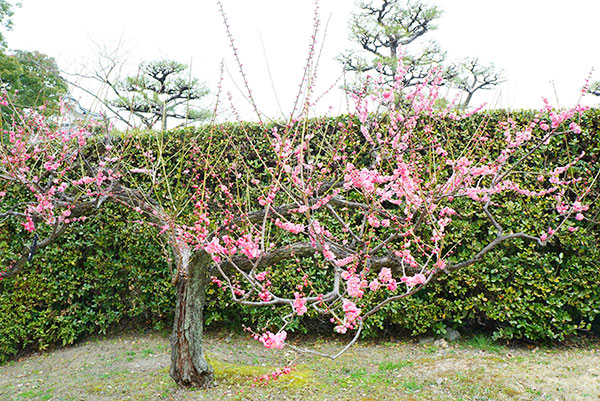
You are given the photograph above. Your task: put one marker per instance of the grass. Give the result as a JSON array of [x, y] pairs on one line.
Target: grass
[[484, 343], [136, 367]]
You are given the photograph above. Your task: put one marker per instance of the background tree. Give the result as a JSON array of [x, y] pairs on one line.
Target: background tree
[[594, 88], [473, 76], [161, 90], [381, 29], [32, 79], [6, 13]]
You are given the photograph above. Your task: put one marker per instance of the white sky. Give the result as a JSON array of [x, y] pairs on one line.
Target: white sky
[[546, 47]]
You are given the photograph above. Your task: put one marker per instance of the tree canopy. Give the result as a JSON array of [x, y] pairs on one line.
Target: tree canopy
[[29, 78], [162, 89], [32, 79], [386, 30], [6, 13], [472, 76], [383, 30], [594, 88]]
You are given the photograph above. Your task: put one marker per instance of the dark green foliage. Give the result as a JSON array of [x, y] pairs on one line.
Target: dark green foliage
[[104, 271], [520, 292], [109, 270], [6, 13], [36, 78]]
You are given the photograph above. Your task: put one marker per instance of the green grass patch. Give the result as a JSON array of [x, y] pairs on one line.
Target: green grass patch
[[394, 365], [241, 374]]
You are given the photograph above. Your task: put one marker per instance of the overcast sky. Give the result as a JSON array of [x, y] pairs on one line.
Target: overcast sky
[[546, 47]]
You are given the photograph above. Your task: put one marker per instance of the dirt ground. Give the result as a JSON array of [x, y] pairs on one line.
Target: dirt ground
[[135, 367]]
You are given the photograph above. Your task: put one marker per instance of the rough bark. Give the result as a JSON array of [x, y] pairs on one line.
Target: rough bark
[[189, 366]]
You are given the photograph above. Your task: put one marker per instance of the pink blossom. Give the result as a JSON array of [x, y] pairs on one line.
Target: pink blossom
[[288, 226], [385, 275], [271, 340], [261, 276], [447, 211], [482, 170], [140, 170], [301, 209], [374, 285], [215, 248], [350, 309], [562, 208], [299, 304], [406, 257], [264, 379], [463, 165], [420, 278], [373, 221], [317, 227], [355, 286], [265, 295], [440, 151], [414, 280], [345, 261], [229, 245], [248, 246], [327, 253], [51, 166], [579, 217], [364, 179], [84, 180], [578, 207], [28, 224], [218, 282]]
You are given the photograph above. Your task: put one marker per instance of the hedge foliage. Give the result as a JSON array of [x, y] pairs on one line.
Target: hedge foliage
[[109, 270]]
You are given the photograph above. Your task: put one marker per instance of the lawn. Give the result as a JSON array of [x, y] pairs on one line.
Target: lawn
[[135, 366]]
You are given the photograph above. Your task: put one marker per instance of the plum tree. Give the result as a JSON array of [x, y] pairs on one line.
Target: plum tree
[[372, 203]]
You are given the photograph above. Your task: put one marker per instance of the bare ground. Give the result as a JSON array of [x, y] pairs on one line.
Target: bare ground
[[135, 367]]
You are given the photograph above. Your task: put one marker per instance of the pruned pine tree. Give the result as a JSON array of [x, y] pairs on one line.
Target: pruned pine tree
[[160, 91], [385, 29]]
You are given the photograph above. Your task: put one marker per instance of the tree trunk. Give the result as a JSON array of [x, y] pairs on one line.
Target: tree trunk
[[189, 367], [469, 96], [163, 125]]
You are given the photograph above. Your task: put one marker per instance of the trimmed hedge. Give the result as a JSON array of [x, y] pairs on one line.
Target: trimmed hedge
[[97, 275], [108, 271]]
